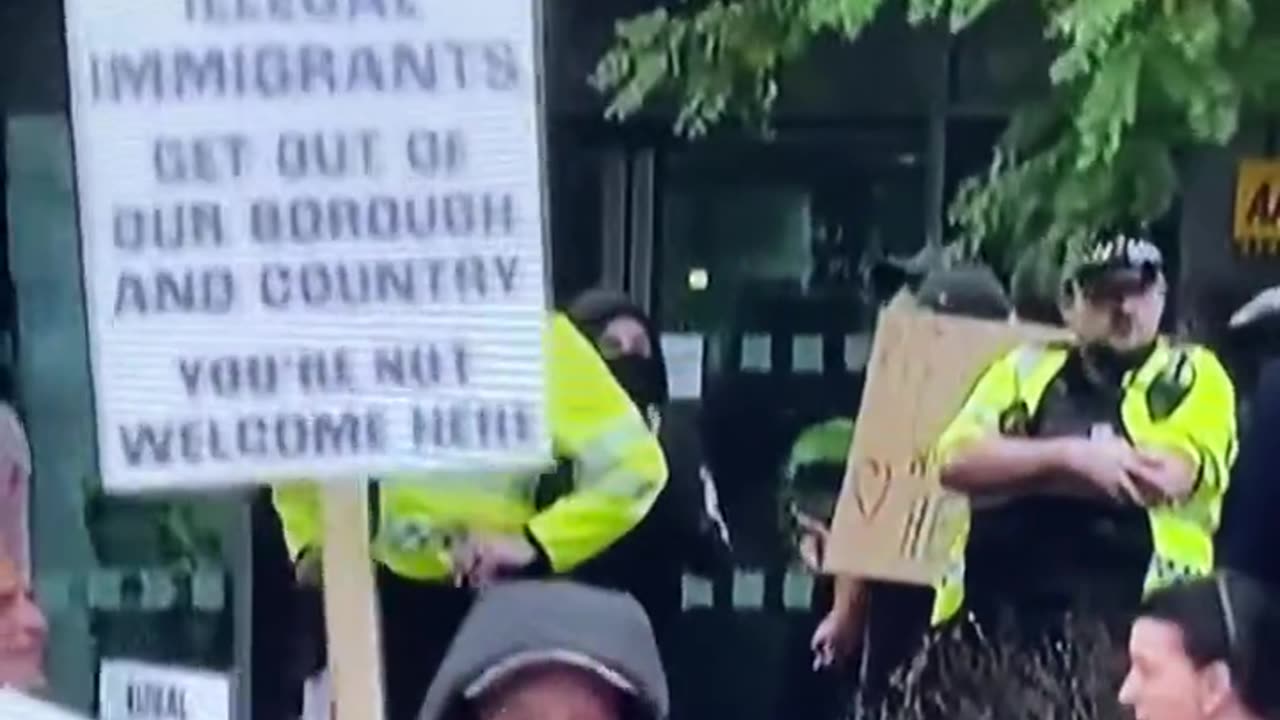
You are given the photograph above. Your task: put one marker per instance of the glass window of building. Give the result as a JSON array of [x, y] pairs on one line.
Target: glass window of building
[[148, 579], [766, 251]]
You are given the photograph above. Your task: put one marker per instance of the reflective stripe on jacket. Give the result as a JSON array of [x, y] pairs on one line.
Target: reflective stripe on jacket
[[619, 470], [1197, 423]]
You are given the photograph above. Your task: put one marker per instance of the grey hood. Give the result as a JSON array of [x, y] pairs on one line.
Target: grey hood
[[602, 631]]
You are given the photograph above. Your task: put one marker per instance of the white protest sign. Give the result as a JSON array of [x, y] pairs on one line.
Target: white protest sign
[[16, 706], [129, 690], [312, 236]]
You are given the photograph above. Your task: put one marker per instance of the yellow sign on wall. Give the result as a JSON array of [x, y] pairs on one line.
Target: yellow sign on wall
[[1257, 221]]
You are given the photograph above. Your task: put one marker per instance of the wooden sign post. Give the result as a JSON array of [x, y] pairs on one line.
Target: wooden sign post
[[350, 605], [313, 249]]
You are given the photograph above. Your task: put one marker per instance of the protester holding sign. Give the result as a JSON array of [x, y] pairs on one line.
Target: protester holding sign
[[1096, 470], [551, 651], [439, 538], [890, 619]]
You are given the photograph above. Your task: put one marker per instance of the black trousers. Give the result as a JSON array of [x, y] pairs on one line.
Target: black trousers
[[895, 632]]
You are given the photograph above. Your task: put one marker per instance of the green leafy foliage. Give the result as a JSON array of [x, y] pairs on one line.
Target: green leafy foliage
[[1132, 81]]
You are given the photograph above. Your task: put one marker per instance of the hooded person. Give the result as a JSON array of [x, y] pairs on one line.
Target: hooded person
[[551, 650], [685, 528]]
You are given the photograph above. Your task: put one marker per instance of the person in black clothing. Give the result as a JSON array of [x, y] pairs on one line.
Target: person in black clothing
[[1250, 534], [685, 528], [281, 618]]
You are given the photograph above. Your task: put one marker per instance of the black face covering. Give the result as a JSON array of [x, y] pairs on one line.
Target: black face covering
[[638, 377]]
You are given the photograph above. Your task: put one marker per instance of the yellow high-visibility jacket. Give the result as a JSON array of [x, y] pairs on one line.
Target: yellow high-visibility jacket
[[618, 466], [1180, 400]]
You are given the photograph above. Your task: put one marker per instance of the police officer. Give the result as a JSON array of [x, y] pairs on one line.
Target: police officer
[[1096, 468], [438, 538]]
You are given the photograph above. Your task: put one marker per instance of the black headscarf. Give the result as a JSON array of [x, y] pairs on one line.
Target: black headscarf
[[592, 311], [678, 531]]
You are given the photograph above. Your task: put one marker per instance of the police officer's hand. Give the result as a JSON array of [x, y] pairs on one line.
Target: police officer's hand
[[1164, 477], [480, 560], [1109, 464]]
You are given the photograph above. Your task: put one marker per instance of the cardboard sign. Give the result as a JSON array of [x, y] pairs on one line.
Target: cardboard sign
[[16, 706], [1257, 212], [312, 237], [893, 520], [129, 690]]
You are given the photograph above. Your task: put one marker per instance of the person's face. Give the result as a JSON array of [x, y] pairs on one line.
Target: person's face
[[1163, 682], [1119, 310], [625, 336], [22, 633], [552, 693]]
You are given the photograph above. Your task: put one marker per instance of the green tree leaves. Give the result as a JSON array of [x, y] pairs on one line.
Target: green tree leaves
[[1132, 80]]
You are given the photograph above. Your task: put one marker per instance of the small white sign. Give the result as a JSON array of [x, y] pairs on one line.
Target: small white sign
[[16, 706], [683, 353], [312, 237], [129, 690]]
